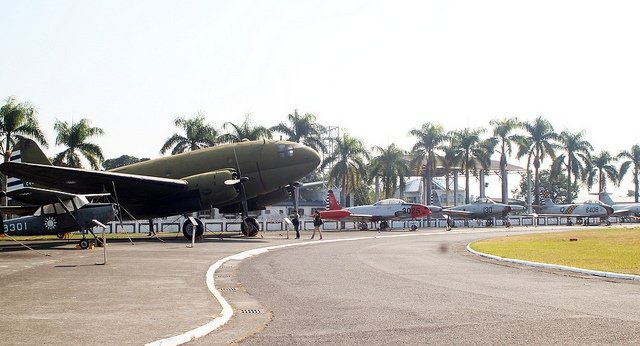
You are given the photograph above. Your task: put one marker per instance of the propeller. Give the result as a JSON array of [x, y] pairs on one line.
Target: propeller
[[293, 190], [238, 183]]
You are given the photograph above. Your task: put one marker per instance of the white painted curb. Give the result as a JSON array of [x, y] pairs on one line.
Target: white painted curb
[[227, 311], [557, 266]]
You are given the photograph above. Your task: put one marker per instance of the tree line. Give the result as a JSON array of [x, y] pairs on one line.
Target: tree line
[[364, 172]]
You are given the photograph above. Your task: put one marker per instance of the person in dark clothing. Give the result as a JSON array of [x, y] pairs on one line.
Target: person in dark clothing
[[296, 223], [317, 223]]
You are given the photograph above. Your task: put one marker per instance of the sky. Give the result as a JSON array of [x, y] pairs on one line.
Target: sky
[[375, 69]]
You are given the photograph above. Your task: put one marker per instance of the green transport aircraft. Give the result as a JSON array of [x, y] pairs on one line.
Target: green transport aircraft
[[235, 178]]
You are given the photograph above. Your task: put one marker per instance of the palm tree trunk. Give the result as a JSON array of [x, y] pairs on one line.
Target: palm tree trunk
[[428, 182], [455, 187], [466, 183], [635, 182], [503, 174], [569, 192]]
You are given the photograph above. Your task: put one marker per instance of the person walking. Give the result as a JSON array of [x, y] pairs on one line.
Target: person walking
[[317, 223], [296, 223]]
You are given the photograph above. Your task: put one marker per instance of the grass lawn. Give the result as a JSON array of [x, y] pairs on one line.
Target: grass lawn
[[612, 250]]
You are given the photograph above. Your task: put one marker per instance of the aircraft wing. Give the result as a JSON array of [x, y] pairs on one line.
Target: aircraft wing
[[567, 215], [18, 210], [37, 196], [622, 212], [80, 181], [461, 213]]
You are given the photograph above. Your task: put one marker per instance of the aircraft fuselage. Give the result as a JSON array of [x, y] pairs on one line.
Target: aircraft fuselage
[[55, 223]]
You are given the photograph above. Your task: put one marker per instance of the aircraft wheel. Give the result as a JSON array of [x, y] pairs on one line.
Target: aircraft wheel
[[384, 225], [489, 223], [363, 226], [84, 244], [249, 227], [187, 229], [414, 227]]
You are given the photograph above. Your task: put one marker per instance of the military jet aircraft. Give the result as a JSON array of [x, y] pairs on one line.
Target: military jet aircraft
[[235, 178], [56, 213], [623, 210], [483, 208], [581, 211], [382, 211]]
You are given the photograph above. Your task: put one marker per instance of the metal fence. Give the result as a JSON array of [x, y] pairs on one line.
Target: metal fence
[[278, 224]]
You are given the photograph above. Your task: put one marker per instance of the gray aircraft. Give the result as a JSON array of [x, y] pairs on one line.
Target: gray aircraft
[[54, 213], [483, 208], [581, 211], [623, 210]]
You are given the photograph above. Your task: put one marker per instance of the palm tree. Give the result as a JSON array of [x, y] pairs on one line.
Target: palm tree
[[348, 164], [75, 137], [303, 129], [474, 152], [633, 157], [450, 162], [246, 130], [577, 155], [502, 130], [392, 166], [197, 135], [431, 137], [18, 120], [536, 143], [601, 167]]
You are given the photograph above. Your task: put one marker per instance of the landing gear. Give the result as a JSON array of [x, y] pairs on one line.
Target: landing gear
[[414, 227], [249, 227], [384, 225], [187, 229], [363, 226], [489, 222], [84, 243]]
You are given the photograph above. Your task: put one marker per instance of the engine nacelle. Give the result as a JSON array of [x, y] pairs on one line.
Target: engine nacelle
[[211, 186]]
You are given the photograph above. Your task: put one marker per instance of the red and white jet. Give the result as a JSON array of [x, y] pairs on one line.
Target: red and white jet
[[382, 211]]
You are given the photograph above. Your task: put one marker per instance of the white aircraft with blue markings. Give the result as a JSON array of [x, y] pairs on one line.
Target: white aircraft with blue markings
[[581, 211]]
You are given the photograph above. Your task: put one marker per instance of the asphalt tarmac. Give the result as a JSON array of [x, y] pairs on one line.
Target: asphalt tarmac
[[396, 287]]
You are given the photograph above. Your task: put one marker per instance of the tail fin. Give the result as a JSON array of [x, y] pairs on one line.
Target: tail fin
[[26, 150], [545, 200], [435, 199], [332, 203], [606, 198]]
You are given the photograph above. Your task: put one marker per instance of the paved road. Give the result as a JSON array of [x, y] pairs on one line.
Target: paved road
[[424, 288], [429, 290]]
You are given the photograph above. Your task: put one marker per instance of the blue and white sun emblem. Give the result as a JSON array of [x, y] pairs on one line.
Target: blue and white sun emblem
[[50, 223]]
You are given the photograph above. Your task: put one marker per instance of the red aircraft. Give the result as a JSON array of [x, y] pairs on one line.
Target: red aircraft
[[382, 211]]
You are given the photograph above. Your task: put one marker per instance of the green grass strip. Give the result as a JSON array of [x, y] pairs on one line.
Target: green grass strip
[[611, 250]]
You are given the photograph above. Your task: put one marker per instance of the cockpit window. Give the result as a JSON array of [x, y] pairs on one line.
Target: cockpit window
[[285, 150]]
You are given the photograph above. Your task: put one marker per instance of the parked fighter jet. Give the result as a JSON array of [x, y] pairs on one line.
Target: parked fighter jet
[[581, 211], [382, 211], [56, 213], [235, 178], [623, 210], [482, 209]]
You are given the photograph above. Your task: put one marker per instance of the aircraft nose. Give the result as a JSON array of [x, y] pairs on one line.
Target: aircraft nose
[[308, 158]]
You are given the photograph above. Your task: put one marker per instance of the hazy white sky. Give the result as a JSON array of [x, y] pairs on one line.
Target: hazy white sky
[[374, 68]]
